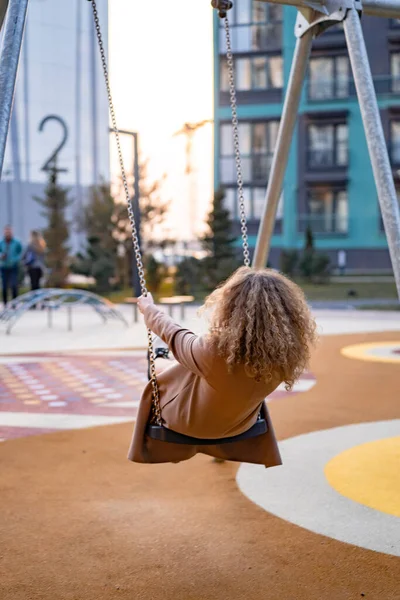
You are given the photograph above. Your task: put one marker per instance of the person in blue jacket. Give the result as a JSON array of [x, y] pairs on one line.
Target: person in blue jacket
[[10, 257]]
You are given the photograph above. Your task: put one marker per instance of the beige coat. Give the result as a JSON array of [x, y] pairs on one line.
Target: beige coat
[[200, 398]]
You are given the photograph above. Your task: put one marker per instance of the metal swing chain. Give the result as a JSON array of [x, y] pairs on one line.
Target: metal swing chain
[[156, 408], [235, 127]]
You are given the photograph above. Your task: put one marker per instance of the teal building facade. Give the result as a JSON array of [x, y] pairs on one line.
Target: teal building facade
[[329, 184]]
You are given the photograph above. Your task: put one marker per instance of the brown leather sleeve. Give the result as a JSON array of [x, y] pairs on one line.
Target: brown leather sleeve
[[188, 349]]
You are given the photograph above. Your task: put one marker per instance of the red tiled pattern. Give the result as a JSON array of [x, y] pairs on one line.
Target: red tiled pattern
[[87, 385]]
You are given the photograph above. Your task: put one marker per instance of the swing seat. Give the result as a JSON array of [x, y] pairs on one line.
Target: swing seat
[[163, 434]]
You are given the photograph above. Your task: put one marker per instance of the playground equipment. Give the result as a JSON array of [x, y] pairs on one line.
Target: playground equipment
[[314, 17], [55, 299]]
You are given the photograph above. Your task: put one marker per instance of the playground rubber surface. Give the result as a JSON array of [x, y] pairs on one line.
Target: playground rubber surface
[[79, 522]]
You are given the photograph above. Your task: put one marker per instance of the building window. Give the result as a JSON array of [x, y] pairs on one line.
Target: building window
[[395, 142], [254, 201], [257, 143], [254, 73], [329, 78], [395, 71], [255, 27], [259, 195], [327, 211], [327, 146]]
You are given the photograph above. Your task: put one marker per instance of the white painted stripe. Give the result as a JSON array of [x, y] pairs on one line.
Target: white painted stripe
[[9, 360], [299, 492], [57, 421], [127, 404]]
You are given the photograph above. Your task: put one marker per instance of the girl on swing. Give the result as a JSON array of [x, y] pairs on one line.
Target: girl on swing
[[260, 335]]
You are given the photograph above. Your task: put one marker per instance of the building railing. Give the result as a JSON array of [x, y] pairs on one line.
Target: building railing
[[255, 168], [255, 37], [343, 89], [329, 224], [327, 159]]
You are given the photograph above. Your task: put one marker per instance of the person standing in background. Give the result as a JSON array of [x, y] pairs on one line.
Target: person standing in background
[[10, 257], [34, 259]]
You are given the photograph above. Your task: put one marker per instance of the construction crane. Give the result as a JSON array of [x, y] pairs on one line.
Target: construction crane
[[189, 130]]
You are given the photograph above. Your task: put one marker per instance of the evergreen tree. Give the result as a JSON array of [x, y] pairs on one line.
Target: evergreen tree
[[314, 266], [56, 234], [153, 210], [218, 243], [154, 273], [309, 240], [99, 221], [188, 276]]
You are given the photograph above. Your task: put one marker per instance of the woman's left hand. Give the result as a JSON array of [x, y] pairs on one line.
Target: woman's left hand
[[145, 301]]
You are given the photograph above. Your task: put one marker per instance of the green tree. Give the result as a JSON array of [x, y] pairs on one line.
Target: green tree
[[154, 273], [219, 244], [188, 276], [288, 262], [309, 239], [56, 234], [97, 218], [98, 222], [153, 210], [314, 266]]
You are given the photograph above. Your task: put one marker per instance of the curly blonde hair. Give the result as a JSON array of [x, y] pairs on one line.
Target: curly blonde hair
[[260, 319]]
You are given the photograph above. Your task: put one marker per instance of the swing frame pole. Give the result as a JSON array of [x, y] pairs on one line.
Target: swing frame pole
[[376, 142], [9, 58], [282, 148], [310, 23]]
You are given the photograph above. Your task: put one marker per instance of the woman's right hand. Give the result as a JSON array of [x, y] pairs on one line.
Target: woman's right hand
[[145, 301]]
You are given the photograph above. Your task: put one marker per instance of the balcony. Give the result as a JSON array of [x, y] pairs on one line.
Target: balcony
[[386, 86], [255, 168], [253, 38], [326, 224], [327, 159]]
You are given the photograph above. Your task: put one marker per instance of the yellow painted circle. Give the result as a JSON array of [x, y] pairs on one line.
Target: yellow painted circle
[[374, 352], [369, 474]]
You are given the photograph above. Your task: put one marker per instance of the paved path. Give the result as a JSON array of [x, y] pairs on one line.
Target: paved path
[[79, 522], [45, 393], [52, 379], [31, 334]]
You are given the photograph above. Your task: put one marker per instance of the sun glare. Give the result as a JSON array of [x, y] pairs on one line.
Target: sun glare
[[162, 77]]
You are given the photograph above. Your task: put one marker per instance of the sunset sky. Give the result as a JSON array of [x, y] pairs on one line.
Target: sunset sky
[[162, 76]]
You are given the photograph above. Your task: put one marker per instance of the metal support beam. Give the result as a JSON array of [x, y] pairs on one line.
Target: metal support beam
[[78, 104], [94, 103], [375, 137], [135, 203], [389, 9], [281, 154], [9, 58]]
